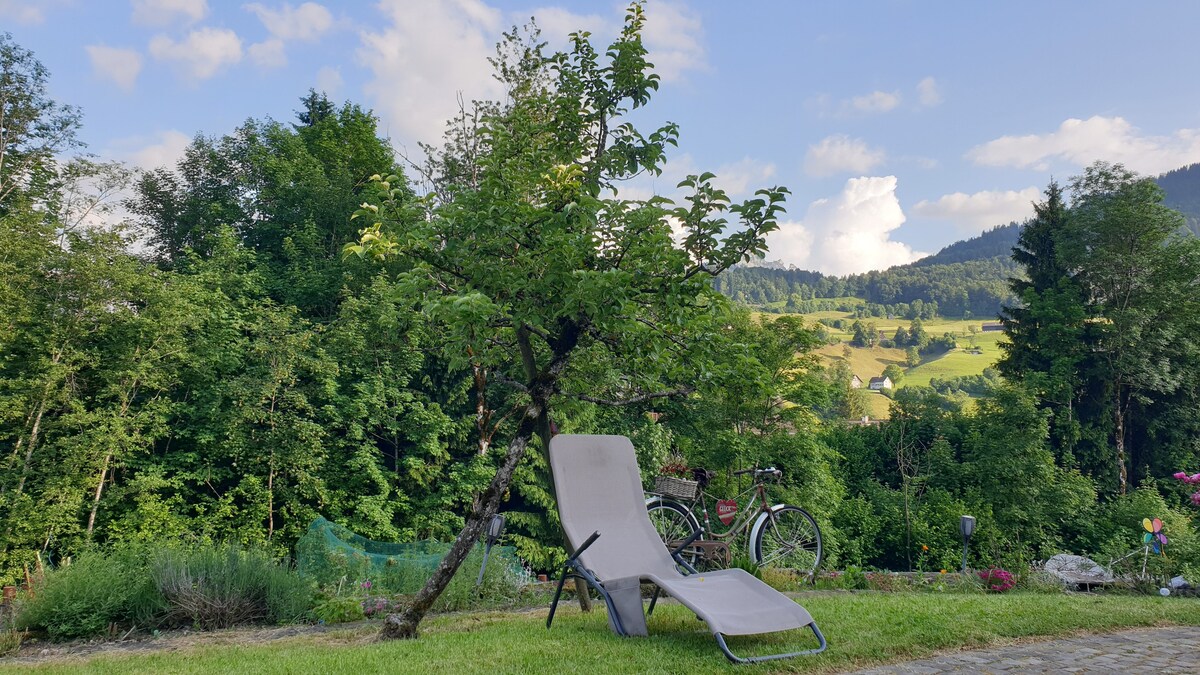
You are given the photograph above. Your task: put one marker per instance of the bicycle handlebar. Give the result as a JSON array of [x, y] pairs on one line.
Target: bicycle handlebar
[[769, 471]]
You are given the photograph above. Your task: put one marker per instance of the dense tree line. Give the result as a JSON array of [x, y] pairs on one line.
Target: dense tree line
[[969, 288], [1182, 193], [1105, 333], [994, 243]]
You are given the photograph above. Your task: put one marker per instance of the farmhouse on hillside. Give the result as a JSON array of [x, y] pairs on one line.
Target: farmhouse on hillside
[[855, 382], [879, 383]]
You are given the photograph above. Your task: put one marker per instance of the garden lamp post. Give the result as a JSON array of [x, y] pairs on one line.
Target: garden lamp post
[[493, 535], [966, 526]]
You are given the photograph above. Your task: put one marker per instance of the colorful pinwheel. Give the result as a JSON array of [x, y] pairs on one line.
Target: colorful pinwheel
[[1154, 536]]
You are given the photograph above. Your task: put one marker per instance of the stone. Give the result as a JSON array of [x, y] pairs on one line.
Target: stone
[[1077, 570]]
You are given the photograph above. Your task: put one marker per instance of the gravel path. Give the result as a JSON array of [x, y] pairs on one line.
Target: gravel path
[[1155, 650]]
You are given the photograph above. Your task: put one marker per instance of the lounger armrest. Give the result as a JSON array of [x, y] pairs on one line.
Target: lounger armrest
[[583, 547], [688, 542]]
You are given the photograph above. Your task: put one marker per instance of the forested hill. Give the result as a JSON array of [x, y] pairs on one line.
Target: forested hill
[[975, 286], [1183, 193], [996, 242], [969, 275]]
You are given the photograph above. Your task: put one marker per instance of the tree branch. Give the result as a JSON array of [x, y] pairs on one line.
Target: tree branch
[[682, 391]]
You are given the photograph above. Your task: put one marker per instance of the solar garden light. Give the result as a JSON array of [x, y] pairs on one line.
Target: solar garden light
[[966, 526], [495, 527]]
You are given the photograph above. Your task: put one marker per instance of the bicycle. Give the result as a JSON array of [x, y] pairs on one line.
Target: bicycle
[[779, 536]]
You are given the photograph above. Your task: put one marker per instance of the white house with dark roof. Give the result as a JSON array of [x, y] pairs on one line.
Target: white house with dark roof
[[879, 383]]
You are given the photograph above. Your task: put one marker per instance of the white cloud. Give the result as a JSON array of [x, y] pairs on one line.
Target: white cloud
[[743, 177], [875, 102], [423, 58], [557, 23], [1081, 142], [27, 12], [162, 149], [329, 80], [202, 54], [840, 153], [306, 22], [738, 179], [928, 92], [119, 65], [673, 37], [268, 53], [848, 233], [164, 12], [974, 213]]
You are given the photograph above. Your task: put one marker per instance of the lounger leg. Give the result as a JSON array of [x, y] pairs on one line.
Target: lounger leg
[[771, 657], [653, 599], [557, 594]]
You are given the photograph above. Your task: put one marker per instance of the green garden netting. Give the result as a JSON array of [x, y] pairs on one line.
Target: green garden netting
[[333, 555]]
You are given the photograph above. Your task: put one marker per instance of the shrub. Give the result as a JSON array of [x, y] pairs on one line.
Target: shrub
[[10, 637], [997, 580], [853, 578], [97, 589], [339, 610], [223, 585], [502, 584], [745, 563]]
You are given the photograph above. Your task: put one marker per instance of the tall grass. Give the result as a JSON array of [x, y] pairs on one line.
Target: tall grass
[[154, 585], [218, 586], [98, 589]]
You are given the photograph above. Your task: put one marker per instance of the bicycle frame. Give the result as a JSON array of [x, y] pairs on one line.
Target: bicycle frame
[[744, 518]]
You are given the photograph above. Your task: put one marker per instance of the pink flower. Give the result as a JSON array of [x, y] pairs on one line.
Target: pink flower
[[1179, 475], [1196, 499]]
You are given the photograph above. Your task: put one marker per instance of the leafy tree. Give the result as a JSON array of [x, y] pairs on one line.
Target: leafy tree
[[917, 336], [912, 356], [286, 190], [1123, 247], [893, 373], [1046, 346], [537, 273], [36, 129]]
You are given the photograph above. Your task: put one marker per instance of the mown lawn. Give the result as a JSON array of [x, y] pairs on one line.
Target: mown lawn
[[862, 629]]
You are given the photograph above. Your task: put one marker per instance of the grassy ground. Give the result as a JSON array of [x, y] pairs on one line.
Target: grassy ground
[[975, 353], [862, 629]]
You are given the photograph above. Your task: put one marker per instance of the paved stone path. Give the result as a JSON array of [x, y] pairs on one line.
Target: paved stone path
[[1156, 650]]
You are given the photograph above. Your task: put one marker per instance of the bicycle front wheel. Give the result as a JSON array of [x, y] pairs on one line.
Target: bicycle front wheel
[[788, 538], [674, 523]]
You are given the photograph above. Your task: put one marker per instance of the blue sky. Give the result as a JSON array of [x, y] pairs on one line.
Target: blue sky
[[899, 126]]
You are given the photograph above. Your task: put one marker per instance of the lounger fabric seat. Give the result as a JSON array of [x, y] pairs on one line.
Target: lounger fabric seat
[[599, 489]]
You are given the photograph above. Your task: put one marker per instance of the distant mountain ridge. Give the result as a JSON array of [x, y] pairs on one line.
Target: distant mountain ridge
[[967, 276], [997, 241], [1183, 194]]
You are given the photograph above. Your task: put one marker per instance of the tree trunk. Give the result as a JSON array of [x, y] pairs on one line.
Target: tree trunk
[[1122, 470], [529, 363], [96, 498], [33, 436], [404, 625]]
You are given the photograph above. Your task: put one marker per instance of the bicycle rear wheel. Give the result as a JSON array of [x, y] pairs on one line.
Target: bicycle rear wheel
[[674, 523], [788, 538]]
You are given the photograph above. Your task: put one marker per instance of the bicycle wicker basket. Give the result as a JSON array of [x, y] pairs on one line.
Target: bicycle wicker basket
[[679, 488]]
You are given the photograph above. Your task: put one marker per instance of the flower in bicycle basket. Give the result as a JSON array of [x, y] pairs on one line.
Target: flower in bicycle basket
[[677, 468]]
